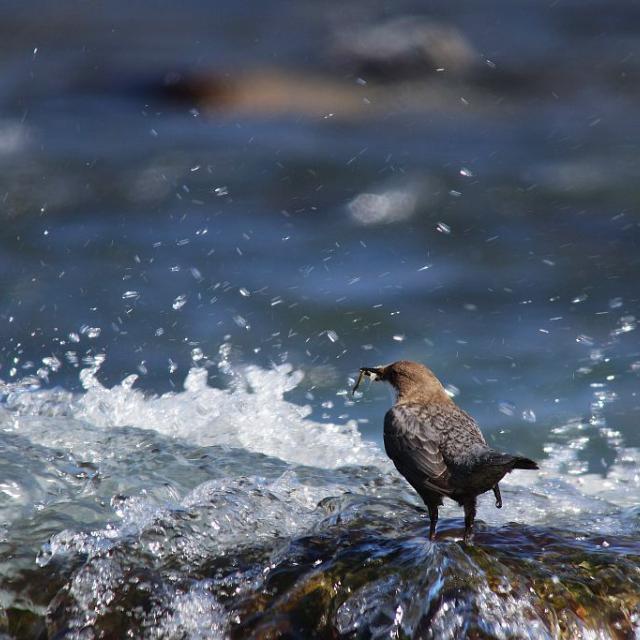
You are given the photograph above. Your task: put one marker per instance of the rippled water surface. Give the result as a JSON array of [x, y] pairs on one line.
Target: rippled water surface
[[213, 214]]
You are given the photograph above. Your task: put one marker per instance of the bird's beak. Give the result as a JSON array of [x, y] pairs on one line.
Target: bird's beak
[[375, 373]]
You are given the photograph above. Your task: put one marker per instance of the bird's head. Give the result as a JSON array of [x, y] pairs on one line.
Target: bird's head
[[412, 381]]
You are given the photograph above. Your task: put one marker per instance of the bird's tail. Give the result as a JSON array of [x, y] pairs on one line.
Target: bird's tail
[[520, 462]]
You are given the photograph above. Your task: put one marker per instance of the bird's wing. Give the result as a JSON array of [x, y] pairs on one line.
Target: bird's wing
[[466, 427], [414, 447]]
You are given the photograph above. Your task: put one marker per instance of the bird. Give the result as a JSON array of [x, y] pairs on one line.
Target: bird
[[438, 447]]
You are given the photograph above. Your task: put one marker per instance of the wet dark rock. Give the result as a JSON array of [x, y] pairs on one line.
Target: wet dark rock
[[22, 623], [365, 569]]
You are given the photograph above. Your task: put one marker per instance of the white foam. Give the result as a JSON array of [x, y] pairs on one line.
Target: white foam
[[253, 414]]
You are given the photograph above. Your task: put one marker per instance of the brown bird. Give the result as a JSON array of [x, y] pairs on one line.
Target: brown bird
[[436, 446]]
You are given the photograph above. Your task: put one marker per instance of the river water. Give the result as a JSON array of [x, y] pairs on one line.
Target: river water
[[213, 215]]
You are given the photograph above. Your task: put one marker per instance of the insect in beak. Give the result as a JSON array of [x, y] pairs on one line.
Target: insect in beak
[[366, 372]]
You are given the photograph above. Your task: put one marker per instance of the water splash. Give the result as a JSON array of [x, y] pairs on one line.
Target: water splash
[[252, 414], [218, 513]]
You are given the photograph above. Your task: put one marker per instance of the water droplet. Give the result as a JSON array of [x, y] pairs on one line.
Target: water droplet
[[507, 408], [241, 322], [90, 332], [452, 390], [625, 324], [179, 302], [52, 362]]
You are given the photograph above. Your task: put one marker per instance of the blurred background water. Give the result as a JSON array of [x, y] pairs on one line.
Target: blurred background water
[[327, 185]]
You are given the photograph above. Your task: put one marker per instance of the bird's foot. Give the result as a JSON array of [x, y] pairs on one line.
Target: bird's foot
[[496, 493]]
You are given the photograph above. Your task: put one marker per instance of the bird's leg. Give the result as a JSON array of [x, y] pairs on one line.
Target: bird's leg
[[496, 493], [469, 516], [433, 517]]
